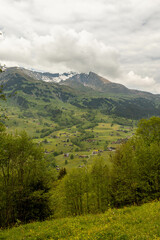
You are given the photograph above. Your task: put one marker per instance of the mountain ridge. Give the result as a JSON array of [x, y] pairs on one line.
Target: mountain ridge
[[83, 91], [73, 79]]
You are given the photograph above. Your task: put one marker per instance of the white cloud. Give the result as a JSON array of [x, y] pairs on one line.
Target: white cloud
[[135, 81], [110, 37], [62, 50]]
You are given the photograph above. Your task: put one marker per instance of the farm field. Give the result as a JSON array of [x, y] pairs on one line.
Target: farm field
[[106, 139], [75, 145], [142, 222]]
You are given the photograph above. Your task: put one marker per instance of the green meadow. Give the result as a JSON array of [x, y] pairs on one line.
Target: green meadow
[[136, 222], [77, 138]]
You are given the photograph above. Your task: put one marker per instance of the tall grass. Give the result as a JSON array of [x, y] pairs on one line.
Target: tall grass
[[134, 222]]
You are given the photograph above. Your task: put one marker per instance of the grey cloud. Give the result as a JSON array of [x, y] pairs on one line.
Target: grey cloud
[[113, 38], [76, 51]]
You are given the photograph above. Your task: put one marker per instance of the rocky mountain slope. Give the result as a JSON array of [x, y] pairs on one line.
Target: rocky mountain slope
[[84, 91]]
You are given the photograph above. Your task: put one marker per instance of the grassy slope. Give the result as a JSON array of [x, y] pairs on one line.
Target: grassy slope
[[57, 140], [102, 134], [128, 223]]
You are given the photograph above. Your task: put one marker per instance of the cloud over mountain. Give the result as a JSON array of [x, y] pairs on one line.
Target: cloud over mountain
[[111, 38]]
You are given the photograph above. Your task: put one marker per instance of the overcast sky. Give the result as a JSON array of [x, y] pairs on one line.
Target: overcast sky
[[119, 40]]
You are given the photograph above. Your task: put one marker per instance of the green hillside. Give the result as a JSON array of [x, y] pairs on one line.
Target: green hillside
[[75, 163], [141, 223], [41, 99], [71, 117]]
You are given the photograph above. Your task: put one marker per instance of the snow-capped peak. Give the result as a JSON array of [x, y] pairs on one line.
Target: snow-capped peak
[[64, 76]]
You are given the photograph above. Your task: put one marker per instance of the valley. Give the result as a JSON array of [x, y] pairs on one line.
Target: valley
[[75, 140], [70, 123], [71, 149], [79, 120]]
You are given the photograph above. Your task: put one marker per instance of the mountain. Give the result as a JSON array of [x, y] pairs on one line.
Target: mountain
[[102, 85], [48, 77], [43, 76], [84, 82], [41, 91], [96, 82]]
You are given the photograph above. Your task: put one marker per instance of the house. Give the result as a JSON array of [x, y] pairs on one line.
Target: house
[[83, 156], [111, 149], [66, 154], [90, 140], [100, 151], [95, 152]]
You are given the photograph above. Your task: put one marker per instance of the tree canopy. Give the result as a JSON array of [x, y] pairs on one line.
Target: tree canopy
[[24, 180], [149, 129]]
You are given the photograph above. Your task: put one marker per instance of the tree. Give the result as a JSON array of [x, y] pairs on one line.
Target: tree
[[136, 166], [149, 129], [124, 175], [62, 173], [100, 182], [24, 180], [148, 171], [74, 191]]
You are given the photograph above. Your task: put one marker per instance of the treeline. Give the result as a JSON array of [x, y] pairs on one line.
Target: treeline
[[30, 189], [25, 180], [132, 176]]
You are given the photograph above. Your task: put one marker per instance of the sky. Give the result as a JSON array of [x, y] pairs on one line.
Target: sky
[[119, 40]]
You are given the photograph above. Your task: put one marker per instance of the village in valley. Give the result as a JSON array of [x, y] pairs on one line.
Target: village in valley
[[70, 149]]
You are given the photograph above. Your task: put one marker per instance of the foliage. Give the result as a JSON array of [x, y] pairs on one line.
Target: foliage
[[100, 184], [136, 166], [78, 141], [24, 180], [132, 178], [124, 176], [84, 190], [131, 175], [74, 190], [62, 173], [149, 129]]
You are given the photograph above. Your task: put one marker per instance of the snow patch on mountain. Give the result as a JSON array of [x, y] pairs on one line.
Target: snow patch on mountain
[[46, 76], [59, 78]]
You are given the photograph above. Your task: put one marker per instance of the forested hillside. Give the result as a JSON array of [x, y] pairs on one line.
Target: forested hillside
[[31, 189], [80, 92]]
